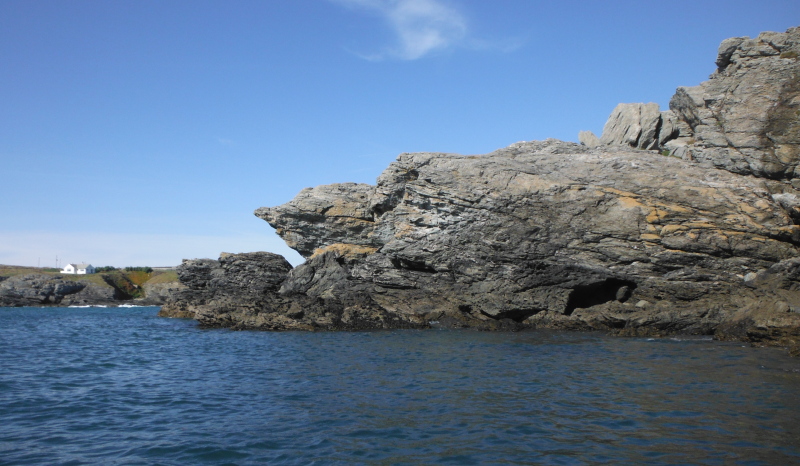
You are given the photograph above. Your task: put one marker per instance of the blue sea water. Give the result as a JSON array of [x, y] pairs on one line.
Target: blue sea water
[[122, 386]]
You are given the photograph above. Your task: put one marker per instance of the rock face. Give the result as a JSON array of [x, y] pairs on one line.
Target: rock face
[[157, 294], [642, 126], [247, 282], [550, 233], [744, 119], [260, 290]]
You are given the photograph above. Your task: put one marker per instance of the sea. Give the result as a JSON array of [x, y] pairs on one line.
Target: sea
[[123, 386]]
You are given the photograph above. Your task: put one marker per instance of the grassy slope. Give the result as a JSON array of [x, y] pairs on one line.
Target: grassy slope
[[163, 277]]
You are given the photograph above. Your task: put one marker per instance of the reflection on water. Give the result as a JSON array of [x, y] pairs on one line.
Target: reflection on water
[[121, 385]]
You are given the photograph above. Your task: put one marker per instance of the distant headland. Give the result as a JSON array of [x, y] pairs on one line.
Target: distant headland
[[86, 286]]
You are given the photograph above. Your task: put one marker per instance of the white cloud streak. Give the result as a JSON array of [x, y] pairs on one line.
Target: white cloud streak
[[421, 26]]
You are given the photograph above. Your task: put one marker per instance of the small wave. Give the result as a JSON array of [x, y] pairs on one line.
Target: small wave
[[89, 305]]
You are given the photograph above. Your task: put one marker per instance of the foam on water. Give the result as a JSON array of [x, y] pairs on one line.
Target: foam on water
[[106, 386]]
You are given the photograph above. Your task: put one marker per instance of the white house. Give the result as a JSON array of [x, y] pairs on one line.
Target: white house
[[78, 269]]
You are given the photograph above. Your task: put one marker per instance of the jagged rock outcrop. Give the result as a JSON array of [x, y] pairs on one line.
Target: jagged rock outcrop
[[588, 139], [234, 279], [635, 125], [545, 234], [744, 119], [640, 126], [260, 290]]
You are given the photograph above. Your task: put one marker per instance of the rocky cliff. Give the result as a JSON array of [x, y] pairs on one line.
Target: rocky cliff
[[677, 221]]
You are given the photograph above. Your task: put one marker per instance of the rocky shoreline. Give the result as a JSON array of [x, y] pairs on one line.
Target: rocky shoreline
[[43, 289], [676, 221]]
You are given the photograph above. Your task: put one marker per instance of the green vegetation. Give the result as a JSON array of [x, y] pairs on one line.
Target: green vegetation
[[163, 277], [139, 269], [126, 289], [138, 277], [95, 278], [14, 270], [666, 153]]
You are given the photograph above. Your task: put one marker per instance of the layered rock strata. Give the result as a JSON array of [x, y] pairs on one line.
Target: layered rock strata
[[554, 234]]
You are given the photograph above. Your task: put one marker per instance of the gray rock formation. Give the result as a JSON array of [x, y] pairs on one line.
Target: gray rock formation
[[744, 119], [634, 125], [588, 139], [544, 234], [260, 290], [157, 294], [247, 282]]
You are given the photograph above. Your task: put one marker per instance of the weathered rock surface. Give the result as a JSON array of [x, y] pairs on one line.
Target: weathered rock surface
[[744, 119], [245, 291], [588, 139], [157, 294], [635, 125], [547, 234]]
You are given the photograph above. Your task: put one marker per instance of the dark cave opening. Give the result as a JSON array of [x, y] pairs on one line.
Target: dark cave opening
[[610, 289], [517, 315], [417, 266]]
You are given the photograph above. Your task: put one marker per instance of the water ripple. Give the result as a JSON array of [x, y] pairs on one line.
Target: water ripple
[[121, 386]]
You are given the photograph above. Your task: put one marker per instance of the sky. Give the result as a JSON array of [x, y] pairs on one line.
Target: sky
[[144, 132]]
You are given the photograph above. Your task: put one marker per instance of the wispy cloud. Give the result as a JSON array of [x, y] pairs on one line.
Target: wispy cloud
[[420, 26]]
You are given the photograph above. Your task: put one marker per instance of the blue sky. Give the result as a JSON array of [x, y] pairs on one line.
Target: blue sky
[[143, 132]]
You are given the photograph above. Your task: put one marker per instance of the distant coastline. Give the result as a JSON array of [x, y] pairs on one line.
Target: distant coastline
[[47, 286]]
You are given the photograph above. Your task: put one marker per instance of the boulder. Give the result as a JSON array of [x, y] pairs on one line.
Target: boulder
[[588, 139], [634, 125]]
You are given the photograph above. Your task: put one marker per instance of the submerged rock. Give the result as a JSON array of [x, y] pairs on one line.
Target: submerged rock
[[605, 235]]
